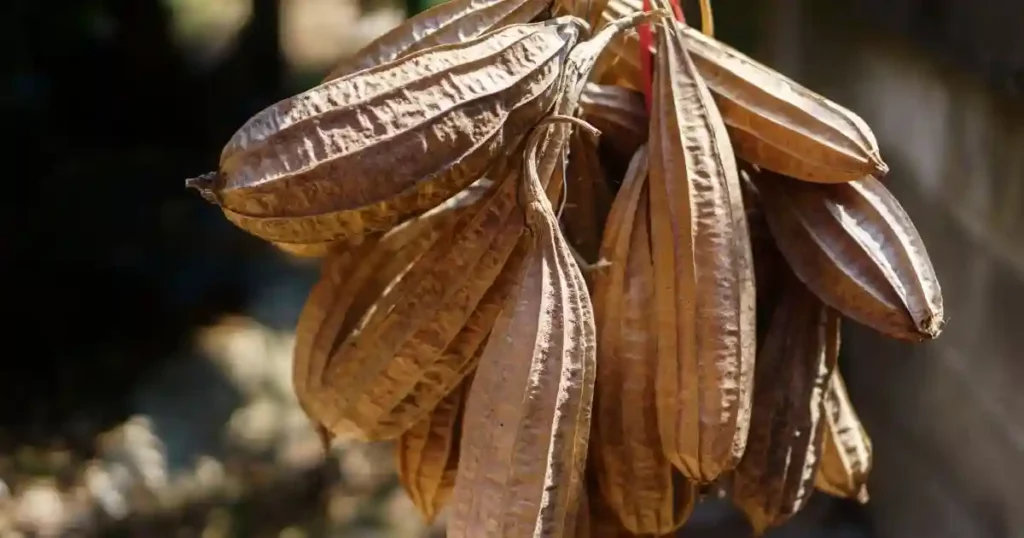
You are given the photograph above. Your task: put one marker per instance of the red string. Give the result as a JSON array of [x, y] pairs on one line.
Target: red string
[[644, 33], [646, 40]]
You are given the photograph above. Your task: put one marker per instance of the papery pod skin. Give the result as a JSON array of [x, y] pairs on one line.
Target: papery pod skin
[[846, 453], [603, 523], [395, 368], [855, 247], [463, 198], [773, 121], [453, 21], [528, 415], [619, 113], [315, 167], [633, 475], [705, 301], [428, 454], [588, 197], [778, 124], [351, 282], [794, 366]]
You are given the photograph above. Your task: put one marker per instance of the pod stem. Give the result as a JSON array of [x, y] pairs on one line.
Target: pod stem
[[204, 184], [531, 195], [707, 19]]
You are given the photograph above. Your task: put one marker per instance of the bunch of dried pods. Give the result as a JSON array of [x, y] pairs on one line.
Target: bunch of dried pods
[[581, 261]]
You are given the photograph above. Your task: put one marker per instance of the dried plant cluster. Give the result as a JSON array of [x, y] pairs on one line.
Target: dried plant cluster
[[581, 262]]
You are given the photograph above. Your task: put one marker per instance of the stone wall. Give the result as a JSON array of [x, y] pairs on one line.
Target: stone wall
[[947, 417]]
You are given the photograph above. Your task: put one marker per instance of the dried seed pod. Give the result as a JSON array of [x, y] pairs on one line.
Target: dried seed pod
[[704, 271], [603, 523], [588, 197], [370, 150], [846, 453], [778, 124], [428, 454], [776, 476], [463, 198], [854, 246], [619, 113], [394, 368], [351, 281], [633, 475], [527, 419], [448, 23], [773, 121]]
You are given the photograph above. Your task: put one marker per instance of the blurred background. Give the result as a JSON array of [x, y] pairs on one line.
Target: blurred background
[[147, 390]]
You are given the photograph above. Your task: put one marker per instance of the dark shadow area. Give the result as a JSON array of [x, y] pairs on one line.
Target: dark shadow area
[[113, 261]]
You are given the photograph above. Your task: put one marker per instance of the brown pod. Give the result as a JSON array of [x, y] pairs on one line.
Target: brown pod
[[588, 197], [376, 372], [428, 454], [368, 151], [846, 453], [855, 247], [705, 303], [463, 198], [603, 522], [773, 121], [448, 23], [619, 113], [527, 418], [776, 475], [352, 280], [633, 475]]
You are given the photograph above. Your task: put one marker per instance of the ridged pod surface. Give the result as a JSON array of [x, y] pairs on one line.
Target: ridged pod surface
[[465, 197], [773, 121], [451, 22], [528, 415], [428, 454], [794, 366], [633, 475], [368, 151], [855, 247], [846, 453], [703, 267], [619, 113], [418, 339], [351, 280], [602, 522]]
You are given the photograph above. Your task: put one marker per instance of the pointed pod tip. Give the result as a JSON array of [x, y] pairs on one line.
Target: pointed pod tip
[[204, 184], [880, 168], [932, 326], [862, 495]]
